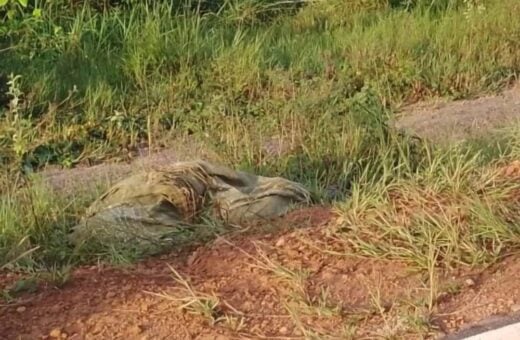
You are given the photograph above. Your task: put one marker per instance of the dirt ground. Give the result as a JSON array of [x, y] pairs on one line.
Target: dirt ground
[[282, 284], [286, 279], [445, 121], [262, 293], [84, 177]]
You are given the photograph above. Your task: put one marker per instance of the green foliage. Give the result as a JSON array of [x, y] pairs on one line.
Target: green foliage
[[4, 3], [11, 9], [34, 223], [97, 82]]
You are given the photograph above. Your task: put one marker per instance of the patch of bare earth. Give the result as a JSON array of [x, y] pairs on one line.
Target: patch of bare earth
[[84, 178], [451, 121], [491, 293], [293, 283]]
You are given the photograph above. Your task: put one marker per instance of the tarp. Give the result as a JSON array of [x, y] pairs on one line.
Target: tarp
[[148, 205]]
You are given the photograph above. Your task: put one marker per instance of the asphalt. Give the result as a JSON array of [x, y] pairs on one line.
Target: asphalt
[[506, 327]]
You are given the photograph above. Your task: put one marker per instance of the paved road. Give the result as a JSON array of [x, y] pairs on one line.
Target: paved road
[[496, 328]]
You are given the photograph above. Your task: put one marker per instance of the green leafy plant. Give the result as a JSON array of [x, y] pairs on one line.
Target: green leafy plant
[[22, 3], [12, 8]]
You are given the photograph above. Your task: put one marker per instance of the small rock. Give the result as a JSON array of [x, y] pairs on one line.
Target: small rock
[[21, 309], [136, 330], [515, 308], [280, 242], [469, 282], [192, 258], [247, 306], [283, 330], [110, 295], [64, 335], [55, 333]]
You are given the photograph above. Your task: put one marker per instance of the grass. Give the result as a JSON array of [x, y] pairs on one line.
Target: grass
[[207, 306], [194, 302], [82, 84], [34, 223], [454, 209], [303, 90], [97, 82]]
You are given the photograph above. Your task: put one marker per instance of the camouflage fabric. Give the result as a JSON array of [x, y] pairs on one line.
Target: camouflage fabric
[[148, 205]]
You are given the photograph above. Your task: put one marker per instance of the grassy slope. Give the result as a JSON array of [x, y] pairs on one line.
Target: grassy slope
[[324, 78], [147, 73]]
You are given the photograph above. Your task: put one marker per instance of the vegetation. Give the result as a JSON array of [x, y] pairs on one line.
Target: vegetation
[[83, 82]]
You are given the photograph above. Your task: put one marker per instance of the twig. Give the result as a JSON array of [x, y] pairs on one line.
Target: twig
[[8, 48]]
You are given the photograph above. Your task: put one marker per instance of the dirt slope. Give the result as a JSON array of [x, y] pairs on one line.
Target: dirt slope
[[452, 121], [279, 285]]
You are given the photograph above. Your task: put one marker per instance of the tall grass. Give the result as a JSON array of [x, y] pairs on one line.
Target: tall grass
[[104, 80], [397, 197], [456, 208], [34, 223]]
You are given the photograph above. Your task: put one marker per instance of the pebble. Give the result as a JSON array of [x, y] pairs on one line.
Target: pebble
[[21, 309], [469, 282], [136, 330], [515, 308], [280, 242], [283, 330], [55, 333], [110, 295], [247, 306], [192, 258]]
